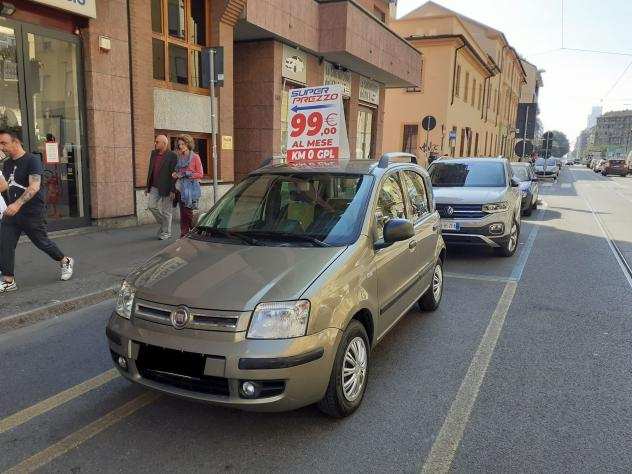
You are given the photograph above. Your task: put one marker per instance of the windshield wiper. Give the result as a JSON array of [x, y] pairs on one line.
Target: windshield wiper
[[229, 234], [287, 236]]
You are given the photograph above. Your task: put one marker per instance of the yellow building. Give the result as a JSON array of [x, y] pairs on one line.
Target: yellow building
[[470, 82]]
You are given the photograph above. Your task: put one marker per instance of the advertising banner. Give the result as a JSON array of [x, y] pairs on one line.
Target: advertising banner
[[317, 133]]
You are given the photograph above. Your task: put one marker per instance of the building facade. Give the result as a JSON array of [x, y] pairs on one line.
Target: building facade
[[596, 112], [88, 85], [528, 109], [471, 83], [613, 133]]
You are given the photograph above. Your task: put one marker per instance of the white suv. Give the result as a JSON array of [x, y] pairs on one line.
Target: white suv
[[479, 202]]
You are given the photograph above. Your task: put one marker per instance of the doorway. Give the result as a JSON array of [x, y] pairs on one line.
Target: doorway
[[41, 98]]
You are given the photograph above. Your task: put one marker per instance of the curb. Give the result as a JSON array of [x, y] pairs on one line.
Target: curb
[[27, 318]]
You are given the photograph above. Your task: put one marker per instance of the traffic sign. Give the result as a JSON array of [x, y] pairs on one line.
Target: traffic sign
[[317, 133], [428, 123], [547, 144], [523, 148]]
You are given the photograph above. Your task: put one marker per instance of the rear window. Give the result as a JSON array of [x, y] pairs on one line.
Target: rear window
[[521, 173], [471, 174], [616, 162]]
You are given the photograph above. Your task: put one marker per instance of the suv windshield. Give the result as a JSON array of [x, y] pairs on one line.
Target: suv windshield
[[477, 175], [549, 162], [303, 209], [521, 173]]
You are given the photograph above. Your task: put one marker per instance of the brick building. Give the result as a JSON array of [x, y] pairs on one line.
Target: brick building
[[613, 133], [95, 80]]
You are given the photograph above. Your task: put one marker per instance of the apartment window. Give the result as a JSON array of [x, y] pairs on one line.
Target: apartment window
[[476, 145], [457, 88], [467, 86], [473, 92], [462, 142], [179, 34], [409, 141], [365, 133], [480, 97], [485, 152]]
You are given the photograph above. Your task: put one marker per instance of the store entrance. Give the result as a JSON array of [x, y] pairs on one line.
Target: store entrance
[[41, 98]]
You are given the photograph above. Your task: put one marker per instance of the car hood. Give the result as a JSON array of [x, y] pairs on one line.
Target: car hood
[[457, 195], [222, 276]]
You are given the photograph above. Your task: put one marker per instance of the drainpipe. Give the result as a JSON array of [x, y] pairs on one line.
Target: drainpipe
[[484, 108], [454, 72]]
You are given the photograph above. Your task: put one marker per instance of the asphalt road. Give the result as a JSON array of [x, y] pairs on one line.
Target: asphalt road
[[525, 367]]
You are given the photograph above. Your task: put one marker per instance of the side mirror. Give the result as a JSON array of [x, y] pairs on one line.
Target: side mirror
[[514, 183], [396, 230]]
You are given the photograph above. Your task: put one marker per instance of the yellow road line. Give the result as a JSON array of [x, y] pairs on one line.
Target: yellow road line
[[44, 406], [82, 435], [444, 448]]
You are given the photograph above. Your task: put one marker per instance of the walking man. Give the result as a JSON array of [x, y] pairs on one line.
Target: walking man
[[25, 210], [160, 185]]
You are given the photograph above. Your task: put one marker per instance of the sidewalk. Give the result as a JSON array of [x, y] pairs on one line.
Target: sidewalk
[[102, 259]]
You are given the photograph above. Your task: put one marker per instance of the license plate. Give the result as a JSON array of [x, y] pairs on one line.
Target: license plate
[[450, 226]]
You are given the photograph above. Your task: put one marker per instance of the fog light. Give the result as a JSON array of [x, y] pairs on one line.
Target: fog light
[[122, 362], [496, 228], [248, 389]]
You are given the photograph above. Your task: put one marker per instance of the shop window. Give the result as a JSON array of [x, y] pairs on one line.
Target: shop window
[[202, 147], [409, 142], [364, 136], [179, 33]]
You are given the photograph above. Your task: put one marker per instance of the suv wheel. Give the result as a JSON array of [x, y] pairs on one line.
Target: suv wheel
[[508, 248], [432, 297], [349, 375]]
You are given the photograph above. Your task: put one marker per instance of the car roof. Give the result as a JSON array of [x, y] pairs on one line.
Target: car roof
[[473, 159], [520, 163]]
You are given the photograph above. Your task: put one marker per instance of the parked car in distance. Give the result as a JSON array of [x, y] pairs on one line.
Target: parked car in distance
[[614, 166], [479, 202], [529, 187], [628, 162], [598, 165], [275, 300], [546, 168]]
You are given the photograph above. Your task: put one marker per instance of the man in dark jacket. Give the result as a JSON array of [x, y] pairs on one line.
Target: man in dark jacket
[[160, 185]]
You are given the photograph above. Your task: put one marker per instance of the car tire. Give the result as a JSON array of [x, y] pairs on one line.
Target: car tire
[[339, 402], [508, 248], [534, 206], [431, 299], [527, 212]]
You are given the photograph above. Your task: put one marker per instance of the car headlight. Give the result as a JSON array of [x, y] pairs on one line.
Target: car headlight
[[281, 320], [524, 194], [125, 300], [496, 207]]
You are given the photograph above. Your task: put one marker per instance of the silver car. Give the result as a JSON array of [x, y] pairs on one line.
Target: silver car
[[275, 300], [479, 201]]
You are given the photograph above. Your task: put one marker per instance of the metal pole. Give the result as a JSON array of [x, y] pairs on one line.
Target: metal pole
[[213, 122]]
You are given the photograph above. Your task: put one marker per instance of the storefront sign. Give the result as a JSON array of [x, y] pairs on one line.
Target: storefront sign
[[338, 76], [369, 91], [317, 133], [227, 142], [51, 153], [294, 65], [79, 7]]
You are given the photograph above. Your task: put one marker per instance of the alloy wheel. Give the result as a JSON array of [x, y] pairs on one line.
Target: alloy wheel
[[437, 282], [354, 369], [513, 238]]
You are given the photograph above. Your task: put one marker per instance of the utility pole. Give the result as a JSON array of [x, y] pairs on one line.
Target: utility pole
[[214, 123], [524, 132]]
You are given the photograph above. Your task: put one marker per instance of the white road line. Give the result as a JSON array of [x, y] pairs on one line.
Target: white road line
[[449, 438], [479, 277], [82, 435], [447, 442], [53, 402]]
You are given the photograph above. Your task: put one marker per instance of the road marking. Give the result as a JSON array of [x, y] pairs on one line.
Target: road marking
[[53, 402], [478, 277], [449, 438], [444, 448], [82, 435]]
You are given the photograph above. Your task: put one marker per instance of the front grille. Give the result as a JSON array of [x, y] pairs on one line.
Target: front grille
[[206, 320], [461, 211], [179, 369]]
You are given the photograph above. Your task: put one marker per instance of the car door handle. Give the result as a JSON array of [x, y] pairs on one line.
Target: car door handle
[[412, 244]]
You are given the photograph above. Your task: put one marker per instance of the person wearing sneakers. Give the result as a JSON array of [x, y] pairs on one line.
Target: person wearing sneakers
[[161, 186], [20, 185]]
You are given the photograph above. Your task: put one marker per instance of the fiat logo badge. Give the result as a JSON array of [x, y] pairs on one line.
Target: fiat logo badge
[[450, 210], [180, 317]]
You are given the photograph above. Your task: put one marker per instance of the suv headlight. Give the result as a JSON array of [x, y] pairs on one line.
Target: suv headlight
[[496, 207], [125, 300], [281, 320]]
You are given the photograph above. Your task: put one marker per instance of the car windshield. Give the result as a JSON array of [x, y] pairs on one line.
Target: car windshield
[[540, 162], [477, 175], [521, 173], [302, 209]]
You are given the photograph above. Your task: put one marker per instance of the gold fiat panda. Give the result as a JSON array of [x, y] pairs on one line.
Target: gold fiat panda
[[275, 300]]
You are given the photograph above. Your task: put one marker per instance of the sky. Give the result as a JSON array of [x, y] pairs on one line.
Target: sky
[[574, 81]]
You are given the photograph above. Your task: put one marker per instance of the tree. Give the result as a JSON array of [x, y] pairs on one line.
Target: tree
[[560, 144]]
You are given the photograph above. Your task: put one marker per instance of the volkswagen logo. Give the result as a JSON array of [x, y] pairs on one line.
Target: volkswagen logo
[[449, 210], [180, 317]]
